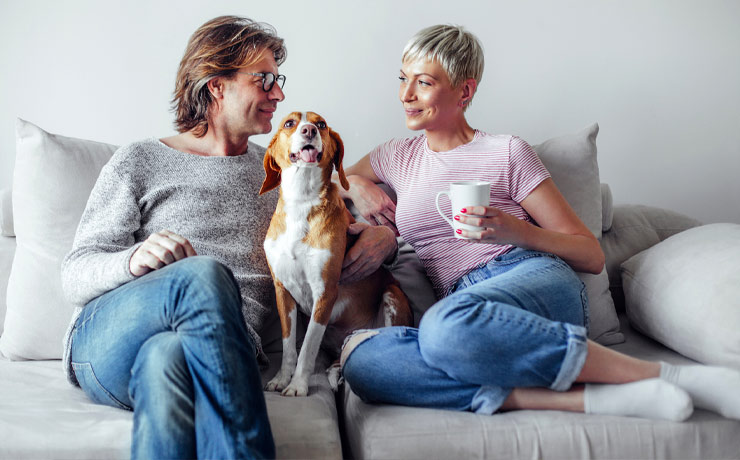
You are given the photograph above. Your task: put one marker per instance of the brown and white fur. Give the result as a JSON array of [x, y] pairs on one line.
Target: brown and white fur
[[305, 248]]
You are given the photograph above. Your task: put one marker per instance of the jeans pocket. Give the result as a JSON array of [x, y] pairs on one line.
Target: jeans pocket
[[93, 388]]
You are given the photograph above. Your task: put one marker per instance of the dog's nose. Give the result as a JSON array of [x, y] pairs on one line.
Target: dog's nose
[[308, 131]]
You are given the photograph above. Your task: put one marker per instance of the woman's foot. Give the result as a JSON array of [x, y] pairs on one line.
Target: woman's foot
[[711, 387], [651, 398]]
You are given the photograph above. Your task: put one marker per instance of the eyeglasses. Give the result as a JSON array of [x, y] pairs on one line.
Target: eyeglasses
[[268, 79]]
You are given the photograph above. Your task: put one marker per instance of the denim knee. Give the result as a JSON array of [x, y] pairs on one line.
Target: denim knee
[[204, 278], [440, 330], [160, 374]]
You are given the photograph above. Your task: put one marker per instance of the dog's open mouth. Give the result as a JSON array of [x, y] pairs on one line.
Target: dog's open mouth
[[307, 153]]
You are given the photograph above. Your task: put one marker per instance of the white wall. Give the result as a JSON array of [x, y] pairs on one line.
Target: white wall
[[661, 77]]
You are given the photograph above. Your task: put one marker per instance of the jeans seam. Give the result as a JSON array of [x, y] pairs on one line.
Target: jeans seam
[[465, 280], [89, 317], [585, 305], [110, 396]]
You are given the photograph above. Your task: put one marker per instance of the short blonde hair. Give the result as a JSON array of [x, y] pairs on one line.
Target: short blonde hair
[[458, 51], [219, 47]]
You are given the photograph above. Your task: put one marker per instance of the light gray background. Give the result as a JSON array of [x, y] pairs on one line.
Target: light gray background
[[662, 77]]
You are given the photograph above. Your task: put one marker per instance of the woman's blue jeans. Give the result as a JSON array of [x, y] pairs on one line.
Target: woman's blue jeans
[[172, 346], [518, 321]]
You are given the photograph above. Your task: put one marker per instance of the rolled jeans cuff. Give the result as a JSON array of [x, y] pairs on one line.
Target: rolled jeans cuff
[[575, 357], [489, 399]]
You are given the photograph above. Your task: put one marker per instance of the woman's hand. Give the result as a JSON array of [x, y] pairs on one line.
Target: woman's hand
[[557, 230], [374, 245], [160, 249], [499, 226], [372, 202]]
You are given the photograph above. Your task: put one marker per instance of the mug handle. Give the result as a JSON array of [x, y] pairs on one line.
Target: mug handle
[[436, 202]]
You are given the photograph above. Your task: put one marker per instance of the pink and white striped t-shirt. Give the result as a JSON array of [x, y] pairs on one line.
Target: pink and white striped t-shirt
[[417, 173]]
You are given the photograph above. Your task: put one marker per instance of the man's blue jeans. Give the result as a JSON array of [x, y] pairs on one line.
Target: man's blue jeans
[[518, 321], [172, 346]]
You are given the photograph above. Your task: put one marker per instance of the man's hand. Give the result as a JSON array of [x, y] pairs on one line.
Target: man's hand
[[372, 248], [372, 202], [160, 249]]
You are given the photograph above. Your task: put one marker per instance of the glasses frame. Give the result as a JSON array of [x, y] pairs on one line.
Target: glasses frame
[[279, 78]]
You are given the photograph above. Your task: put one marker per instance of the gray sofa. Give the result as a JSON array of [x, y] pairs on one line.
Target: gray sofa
[[42, 416]]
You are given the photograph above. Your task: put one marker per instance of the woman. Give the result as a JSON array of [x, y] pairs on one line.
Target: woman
[[510, 329]]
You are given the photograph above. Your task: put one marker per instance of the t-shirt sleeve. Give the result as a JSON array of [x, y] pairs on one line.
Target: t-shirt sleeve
[[383, 161], [526, 170]]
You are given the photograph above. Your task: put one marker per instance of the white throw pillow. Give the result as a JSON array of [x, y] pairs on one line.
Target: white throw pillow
[[52, 180], [684, 292], [571, 160], [6, 213]]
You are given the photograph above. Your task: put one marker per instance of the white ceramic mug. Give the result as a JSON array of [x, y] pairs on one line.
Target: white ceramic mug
[[465, 193]]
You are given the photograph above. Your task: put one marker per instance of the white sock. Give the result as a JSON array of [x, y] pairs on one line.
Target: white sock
[[713, 388], [652, 398]]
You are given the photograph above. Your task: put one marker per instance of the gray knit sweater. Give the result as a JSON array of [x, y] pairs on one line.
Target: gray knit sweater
[[147, 187]]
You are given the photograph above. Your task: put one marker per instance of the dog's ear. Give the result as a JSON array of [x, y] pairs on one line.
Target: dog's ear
[[272, 170], [339, 157]]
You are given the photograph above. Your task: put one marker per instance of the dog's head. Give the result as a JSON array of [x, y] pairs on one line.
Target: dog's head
[[303, 140]]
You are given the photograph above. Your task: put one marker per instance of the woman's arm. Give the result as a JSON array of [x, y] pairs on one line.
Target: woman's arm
[[375, 245], [558, 231], [371, 201]]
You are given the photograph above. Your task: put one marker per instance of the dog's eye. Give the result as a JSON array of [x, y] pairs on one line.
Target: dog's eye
[[321, 125], [289, 124]]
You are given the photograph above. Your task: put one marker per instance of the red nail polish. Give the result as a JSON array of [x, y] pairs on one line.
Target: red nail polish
[[458, 231], [457, 217], [463, 210]]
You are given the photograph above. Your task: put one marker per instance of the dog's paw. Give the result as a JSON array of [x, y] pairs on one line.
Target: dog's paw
[[334, 374], [297, 387], [278, 383]]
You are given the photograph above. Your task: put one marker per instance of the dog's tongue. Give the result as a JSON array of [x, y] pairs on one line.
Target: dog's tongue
[[309, 154]]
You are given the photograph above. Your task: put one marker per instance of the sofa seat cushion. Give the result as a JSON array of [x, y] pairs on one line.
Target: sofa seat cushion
[[385, 431], [43, 416], [684, 292]]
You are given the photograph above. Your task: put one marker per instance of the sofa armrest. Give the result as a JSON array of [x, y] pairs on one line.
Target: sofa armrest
[[635, 228]]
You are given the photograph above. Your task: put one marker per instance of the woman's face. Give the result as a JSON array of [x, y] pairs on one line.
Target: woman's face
[[427, 95]]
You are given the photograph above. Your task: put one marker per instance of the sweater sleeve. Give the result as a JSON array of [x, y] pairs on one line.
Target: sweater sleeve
[[104, 242]]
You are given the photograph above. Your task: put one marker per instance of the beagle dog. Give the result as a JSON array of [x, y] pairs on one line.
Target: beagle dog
[[305, 247]]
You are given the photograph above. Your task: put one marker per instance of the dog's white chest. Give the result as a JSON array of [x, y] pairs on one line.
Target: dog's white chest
[[294, 263]]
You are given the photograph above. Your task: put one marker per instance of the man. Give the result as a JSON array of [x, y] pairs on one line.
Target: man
[[167, 266]]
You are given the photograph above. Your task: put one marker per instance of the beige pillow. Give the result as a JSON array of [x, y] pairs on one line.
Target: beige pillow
[[571, 160], [684, 292], [52, 180]]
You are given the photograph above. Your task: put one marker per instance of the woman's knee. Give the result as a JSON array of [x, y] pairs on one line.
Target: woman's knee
[[370, 360], [442, 330]]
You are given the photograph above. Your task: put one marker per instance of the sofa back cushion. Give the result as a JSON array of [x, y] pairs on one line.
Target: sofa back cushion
[[571, 160], [52, 180]]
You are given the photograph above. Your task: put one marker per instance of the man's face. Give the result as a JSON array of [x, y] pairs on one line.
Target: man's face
[[247, 108]]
